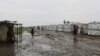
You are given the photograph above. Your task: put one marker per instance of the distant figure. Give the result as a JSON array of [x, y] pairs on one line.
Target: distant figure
[[42, 29], [32, 32], [38, 27], [75, 32]]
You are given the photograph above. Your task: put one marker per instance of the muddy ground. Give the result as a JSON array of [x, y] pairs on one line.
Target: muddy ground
[[50, 43]]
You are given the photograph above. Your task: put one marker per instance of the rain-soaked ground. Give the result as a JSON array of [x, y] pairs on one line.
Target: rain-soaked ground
[[50, 43]]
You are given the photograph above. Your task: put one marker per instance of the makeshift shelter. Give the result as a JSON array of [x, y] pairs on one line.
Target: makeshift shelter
[[85, 28], [7, 30], [60, 27], [94, 28]]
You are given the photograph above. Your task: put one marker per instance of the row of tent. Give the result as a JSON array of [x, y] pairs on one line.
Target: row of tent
[[92, 28], [60, 27]]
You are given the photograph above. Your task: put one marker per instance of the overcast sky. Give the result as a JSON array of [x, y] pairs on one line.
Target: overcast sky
[[44, 12]]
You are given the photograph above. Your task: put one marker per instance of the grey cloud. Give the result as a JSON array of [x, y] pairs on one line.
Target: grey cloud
[[39, 12]]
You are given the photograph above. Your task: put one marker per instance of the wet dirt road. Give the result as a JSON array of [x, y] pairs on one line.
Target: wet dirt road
[[52, 44]]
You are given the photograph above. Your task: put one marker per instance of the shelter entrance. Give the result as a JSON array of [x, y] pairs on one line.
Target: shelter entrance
[[10, 33]]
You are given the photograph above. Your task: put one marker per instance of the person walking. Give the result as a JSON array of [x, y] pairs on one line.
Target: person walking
[[75, 32], [32, 32], [38, 27], [38, 30]]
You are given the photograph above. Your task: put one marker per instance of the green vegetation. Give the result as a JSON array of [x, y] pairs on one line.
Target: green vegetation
[[18, 30]]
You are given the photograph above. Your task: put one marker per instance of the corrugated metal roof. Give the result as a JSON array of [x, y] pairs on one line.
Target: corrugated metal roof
[[10, 22]]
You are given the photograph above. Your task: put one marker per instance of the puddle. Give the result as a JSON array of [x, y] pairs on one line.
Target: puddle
[[39, 37], [44, 47]]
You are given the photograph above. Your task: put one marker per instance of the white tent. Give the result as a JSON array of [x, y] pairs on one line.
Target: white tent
[[94, 28]]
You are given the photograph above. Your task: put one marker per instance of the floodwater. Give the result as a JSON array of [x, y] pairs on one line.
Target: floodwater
[[51, 44]]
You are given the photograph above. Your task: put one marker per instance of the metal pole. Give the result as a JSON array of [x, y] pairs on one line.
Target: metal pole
[[21, 32], [17, 41], [17, 32]]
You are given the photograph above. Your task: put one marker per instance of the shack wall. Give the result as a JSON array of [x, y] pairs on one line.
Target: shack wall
[[94, 29], [60, 27], [67, 28], [3, 32], [85, 28]]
